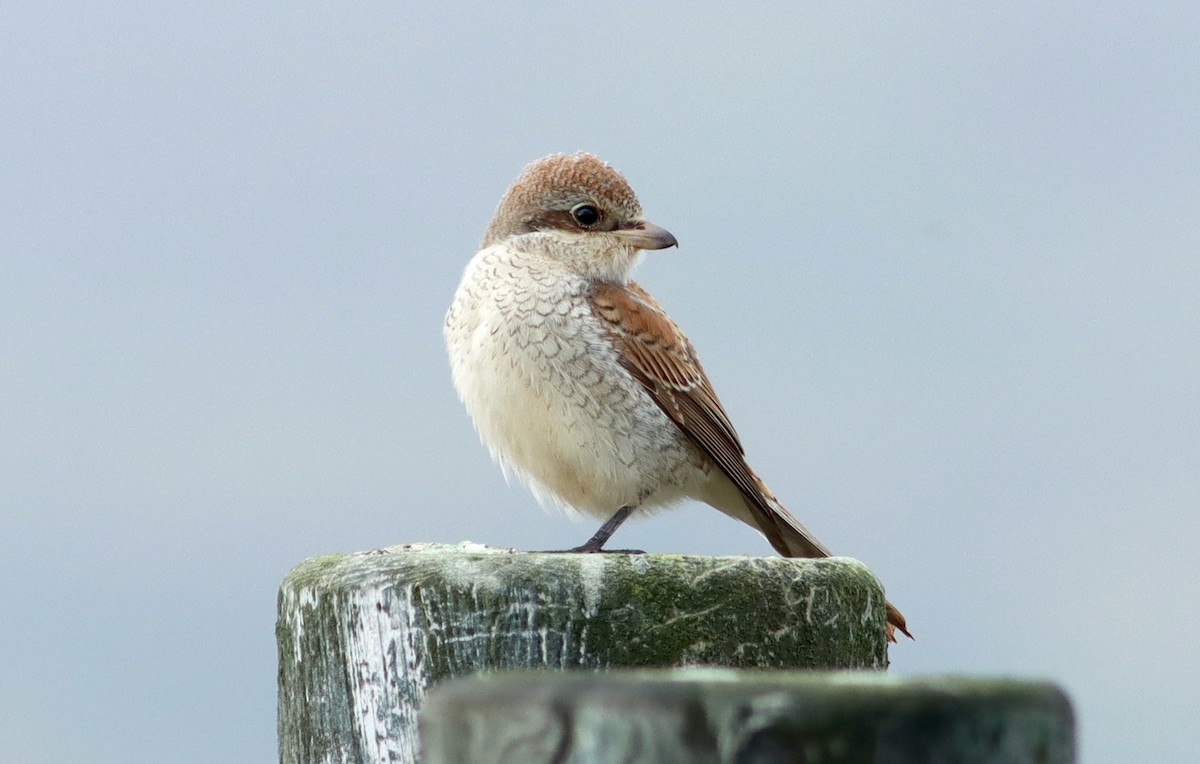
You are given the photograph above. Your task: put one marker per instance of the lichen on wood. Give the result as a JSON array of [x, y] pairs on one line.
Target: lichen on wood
[[362, 637]]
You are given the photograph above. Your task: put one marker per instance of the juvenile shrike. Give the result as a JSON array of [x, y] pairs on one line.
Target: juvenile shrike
[[578, 381]]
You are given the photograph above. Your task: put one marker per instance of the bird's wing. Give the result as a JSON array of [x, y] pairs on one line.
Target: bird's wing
[[656, 352], [658, 355]]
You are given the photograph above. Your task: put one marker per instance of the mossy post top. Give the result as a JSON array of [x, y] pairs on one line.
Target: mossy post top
[[659, 609], [363, 636]]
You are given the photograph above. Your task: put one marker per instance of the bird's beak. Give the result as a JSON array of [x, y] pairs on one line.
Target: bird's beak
[[643, 235]]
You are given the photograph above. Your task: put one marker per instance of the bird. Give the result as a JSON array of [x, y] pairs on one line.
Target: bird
[[578, 381]]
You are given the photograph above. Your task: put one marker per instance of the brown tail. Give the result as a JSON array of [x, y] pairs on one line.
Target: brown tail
[[791, 539]]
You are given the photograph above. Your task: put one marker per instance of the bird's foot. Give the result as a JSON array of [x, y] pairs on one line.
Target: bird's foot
[[586, 549]]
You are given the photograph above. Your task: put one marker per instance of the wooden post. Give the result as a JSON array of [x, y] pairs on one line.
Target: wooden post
[[727, 717], [362, 637]]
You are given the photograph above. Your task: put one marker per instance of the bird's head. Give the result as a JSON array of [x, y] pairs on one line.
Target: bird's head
[[578, 208]]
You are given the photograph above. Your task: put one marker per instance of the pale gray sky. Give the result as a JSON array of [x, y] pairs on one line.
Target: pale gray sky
[[941, 262]]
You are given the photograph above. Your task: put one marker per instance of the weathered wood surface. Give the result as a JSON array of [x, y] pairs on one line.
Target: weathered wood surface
[[363, 636], [727, 717]]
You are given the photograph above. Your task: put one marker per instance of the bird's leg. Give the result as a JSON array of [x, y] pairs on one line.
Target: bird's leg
[[595, 544], [598, 539]]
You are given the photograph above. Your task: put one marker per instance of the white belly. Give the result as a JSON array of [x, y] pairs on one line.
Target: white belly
[[541, 381]]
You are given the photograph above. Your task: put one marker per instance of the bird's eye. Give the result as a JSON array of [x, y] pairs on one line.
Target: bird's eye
[[585, 214]]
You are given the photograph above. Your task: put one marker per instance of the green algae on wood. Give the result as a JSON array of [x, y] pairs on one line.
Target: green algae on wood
[[362, 637]]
